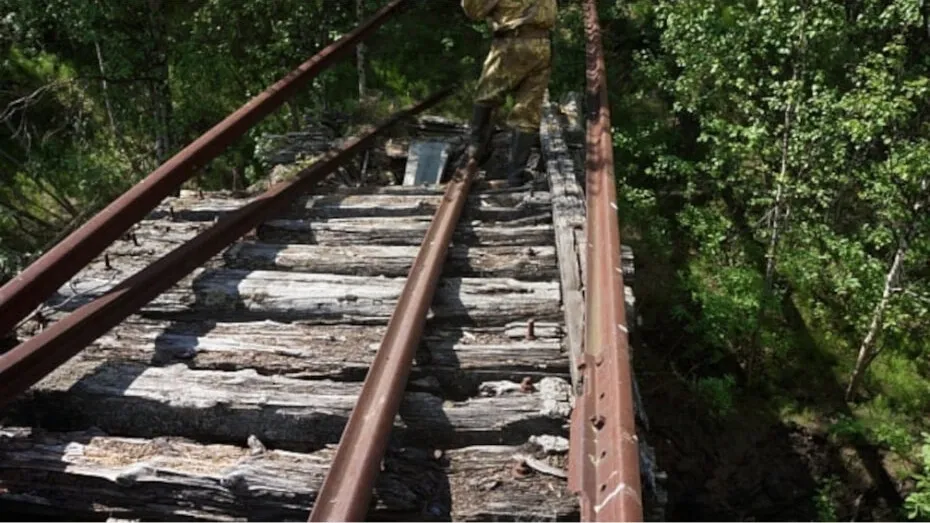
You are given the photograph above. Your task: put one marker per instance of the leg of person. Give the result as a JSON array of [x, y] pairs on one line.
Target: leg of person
[[479, 136], [527, 113], [493, 86]]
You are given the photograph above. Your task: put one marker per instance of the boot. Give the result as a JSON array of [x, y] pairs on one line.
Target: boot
[[479, 136], [520, 146]]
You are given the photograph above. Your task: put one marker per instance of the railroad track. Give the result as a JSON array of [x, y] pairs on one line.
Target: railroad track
[[225, 396]]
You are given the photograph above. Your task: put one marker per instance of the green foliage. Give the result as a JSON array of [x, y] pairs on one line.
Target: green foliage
[[724, 111], [718, 393], [94, 94], [825, 499], [902, 383], [731, 108], [876, 424], [728, 297], [895, 437], [917, 503], [825, 112], [848, 429]]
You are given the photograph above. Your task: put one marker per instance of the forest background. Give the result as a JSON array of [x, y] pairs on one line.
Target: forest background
[[771, 157]]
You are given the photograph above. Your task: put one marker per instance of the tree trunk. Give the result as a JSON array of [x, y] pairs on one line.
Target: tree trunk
[[49, 191], [160, 86], [868, 350], [19, 212], [360, 54], [779, 211], [295, 115], [120, 139], [162, 95], [106, 92]]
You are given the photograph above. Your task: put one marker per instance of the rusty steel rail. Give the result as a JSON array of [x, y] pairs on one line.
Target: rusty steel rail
[[35, 358], [27, 290], [347, 489], [604, 455]]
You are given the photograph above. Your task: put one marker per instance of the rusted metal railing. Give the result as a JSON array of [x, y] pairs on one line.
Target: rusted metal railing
[[35, 358], [27, 290], [346, 492], [604, 460]]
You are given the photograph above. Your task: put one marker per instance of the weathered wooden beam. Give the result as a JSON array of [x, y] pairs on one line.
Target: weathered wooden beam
[[399, 231], [242, 294], [480, 206], [531, 263], [525, 263], [89, 474], [180, 219], [155, 238], [568, 217], [567, 173], [460, 358], [227, 407], [160, 236], [367, 189]]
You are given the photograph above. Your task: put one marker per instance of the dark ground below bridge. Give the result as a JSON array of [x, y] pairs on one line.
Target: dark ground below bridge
[[754, 463]]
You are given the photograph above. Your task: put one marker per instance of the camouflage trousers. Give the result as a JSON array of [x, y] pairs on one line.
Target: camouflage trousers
[[520, 66]]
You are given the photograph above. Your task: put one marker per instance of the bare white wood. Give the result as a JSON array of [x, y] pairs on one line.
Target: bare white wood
[[169, 479], [243, 294], [283, 412], [568, 216], [460, 357]]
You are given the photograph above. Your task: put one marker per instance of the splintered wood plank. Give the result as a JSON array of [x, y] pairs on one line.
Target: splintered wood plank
[[488, 207], [227, 407], [400, 231], [392, 190], [531, 263], [152, 239], [158, 237], [90, 474], [502, 206], [481, 206], [243, 294], [460, 359], [568, 216], [525, 263]]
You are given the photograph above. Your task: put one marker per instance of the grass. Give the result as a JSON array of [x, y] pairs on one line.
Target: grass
[[825, 499], [891, 418]]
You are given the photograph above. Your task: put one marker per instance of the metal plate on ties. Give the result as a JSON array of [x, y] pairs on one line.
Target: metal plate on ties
[[426, 162]]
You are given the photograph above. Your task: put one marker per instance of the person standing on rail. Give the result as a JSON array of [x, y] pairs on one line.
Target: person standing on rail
[[519, 62]]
